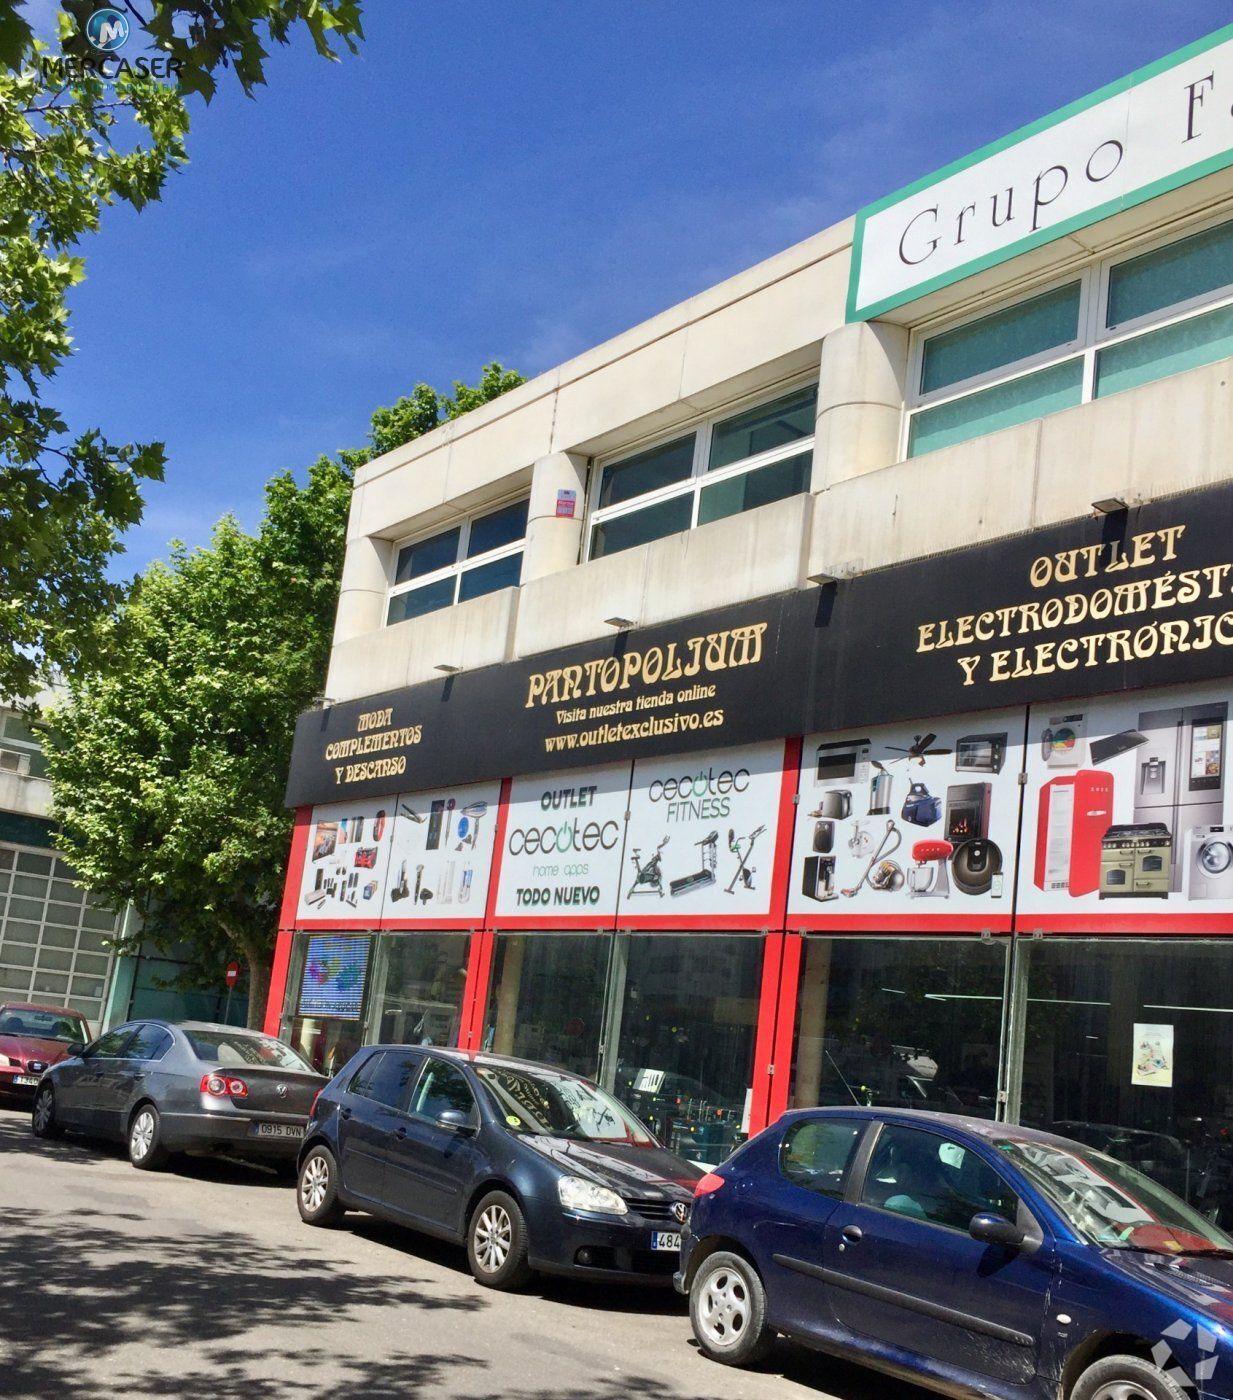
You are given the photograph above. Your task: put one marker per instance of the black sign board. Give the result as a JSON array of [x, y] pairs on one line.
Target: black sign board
[[1138, 598]]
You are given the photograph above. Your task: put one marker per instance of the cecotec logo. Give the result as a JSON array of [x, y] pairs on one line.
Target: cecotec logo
[[107, 30]]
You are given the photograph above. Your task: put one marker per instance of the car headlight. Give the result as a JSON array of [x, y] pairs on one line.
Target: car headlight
[[577, 1193]]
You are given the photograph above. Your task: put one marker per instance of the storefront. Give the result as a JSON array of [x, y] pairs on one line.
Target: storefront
[[953, 835]]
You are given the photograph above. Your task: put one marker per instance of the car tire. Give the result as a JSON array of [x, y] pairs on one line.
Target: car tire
[[727, 1310], [145, 1147], [316, 1189], [1120, 1375], [43, 1121], [497, 1243]]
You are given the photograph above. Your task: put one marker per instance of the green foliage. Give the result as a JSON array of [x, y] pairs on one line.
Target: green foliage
[[71, 149]]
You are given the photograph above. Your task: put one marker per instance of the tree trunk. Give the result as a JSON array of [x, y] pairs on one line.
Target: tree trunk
[[257, 956]]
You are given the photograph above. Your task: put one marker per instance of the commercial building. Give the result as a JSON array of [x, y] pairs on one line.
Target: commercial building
[[820, 693]]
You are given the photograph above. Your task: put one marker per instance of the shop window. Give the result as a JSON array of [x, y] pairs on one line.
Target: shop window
[[685, 1038], [423, 984], [547, 998], [480, 556], [1130, 320], [724, 467], [817, 1153], [900, 1023]]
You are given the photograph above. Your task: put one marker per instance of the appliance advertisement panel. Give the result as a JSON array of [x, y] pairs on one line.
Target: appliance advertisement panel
[[702, 839], [561, 856], [905, 828], [1125, 822], [345, 864], [442, 857]]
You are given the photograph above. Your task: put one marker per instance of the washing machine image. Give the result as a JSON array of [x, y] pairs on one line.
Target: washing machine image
[[1209, 862]]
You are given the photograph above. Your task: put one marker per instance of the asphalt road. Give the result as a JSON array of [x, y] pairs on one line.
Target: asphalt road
[[202, 1281]]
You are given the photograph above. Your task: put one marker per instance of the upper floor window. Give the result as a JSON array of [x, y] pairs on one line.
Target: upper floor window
[[479, 556], [721, 468], [20, 750], [1119, 324]]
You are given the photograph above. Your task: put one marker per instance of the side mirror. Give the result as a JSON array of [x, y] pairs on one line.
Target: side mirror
[[77, 1047], [991, 1228], [455, 1120]]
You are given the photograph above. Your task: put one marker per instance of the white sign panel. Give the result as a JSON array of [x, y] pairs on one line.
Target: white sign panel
[[442, 854], [899, 824], [702, 832], [561, 860], [1165, 125], [346, 861]]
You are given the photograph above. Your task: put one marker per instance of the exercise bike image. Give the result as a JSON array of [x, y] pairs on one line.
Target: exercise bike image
[[701, 878], [648, 875], [744, 871]]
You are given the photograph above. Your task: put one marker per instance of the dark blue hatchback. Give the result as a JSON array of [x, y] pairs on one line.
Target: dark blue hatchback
[[531, 1167], [971, 1257]]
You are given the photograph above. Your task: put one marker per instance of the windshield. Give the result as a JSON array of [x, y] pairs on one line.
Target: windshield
[[45, 1025], [559, 1106], [1111, 1204], [231, 1049]]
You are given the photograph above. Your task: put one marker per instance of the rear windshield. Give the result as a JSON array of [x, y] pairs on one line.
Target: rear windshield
[[233, 1048], [45, 1025]]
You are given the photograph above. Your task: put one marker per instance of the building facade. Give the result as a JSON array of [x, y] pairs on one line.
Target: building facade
[[820, 693]]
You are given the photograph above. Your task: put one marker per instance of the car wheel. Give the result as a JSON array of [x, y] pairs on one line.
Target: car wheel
[[1126, 1378], [43, 1116], [727, 1309], [316, 1194], [497, 1243], [145, 1148]]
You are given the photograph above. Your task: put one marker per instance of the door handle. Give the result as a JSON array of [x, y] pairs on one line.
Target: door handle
[[400, 1133], [853, 1233], [344, 1113]]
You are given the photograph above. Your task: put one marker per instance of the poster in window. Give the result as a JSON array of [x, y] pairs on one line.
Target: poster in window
[[333, 980], [1153, 1056]]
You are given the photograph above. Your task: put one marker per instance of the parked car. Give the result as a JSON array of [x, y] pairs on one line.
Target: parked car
[[968, 1256], [32, 1038], [191, 1087], [531, 1167]]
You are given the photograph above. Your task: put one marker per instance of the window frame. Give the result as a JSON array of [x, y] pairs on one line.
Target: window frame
[[702, 429], [1093, 276], [461, 565]]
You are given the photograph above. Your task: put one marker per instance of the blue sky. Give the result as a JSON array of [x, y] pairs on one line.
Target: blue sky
[[520, 182]]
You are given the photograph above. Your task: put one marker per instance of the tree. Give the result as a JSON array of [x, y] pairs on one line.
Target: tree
[[169, 757], [73, 143]]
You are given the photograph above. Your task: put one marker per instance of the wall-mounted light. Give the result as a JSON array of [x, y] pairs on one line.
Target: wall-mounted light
[[622, 624], [1123, 500], [446, 669], [838, 573], [321, 701]]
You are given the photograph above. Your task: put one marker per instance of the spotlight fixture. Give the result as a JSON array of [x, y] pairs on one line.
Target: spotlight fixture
[[446, 669], [622, 624], [321, 701], [850, 569], [1123, 500]]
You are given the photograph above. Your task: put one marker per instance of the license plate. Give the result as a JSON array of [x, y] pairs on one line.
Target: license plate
[[25, 1079], [279, 1130], [666, 1240]]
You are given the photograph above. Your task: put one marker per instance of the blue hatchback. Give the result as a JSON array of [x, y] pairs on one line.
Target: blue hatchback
[[974, 1258]]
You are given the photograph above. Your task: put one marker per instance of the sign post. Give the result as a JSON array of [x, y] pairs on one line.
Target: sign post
[[232, 976]]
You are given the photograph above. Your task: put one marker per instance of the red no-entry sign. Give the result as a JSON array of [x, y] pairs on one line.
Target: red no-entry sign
[[233, 973]]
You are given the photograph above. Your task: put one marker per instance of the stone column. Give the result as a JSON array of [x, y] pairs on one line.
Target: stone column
[[862, 385], [553, 540]]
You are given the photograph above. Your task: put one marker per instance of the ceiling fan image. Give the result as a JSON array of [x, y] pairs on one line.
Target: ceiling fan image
[[922, 745]]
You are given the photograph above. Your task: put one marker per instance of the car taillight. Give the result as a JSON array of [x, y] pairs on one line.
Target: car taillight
[[312, 1107], [712, 1181], [223, 1086]]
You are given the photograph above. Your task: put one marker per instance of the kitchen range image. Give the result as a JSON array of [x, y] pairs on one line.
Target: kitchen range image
[[907, 826], [1126, 801]]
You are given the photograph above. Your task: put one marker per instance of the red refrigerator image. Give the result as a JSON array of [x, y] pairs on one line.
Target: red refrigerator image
[[1075, 812]]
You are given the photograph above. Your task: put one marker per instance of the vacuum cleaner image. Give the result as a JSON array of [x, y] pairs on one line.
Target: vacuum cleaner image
[[705, 874], [881, 873], [648, 875]]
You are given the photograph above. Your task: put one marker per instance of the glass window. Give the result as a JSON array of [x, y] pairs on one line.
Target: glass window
[[505, 572], [755, 488], [427, 556], [505, 526], [326, 1042], [686, 1037], [933, 1178], [150, 1043], [900, 1023], [442, 1086], [1015, 333], [424, 978], [559, 1105], [1002, 406], [234, 1049], [109, 1046], [43, 1025], [1181, 346], [387, 1076], [817, 1152], [764, 428], [1165, 277], [547, 999], [416, 602], [641, 526], [648, 471]]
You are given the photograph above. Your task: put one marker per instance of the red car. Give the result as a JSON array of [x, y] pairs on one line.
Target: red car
[[33, 1038]]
